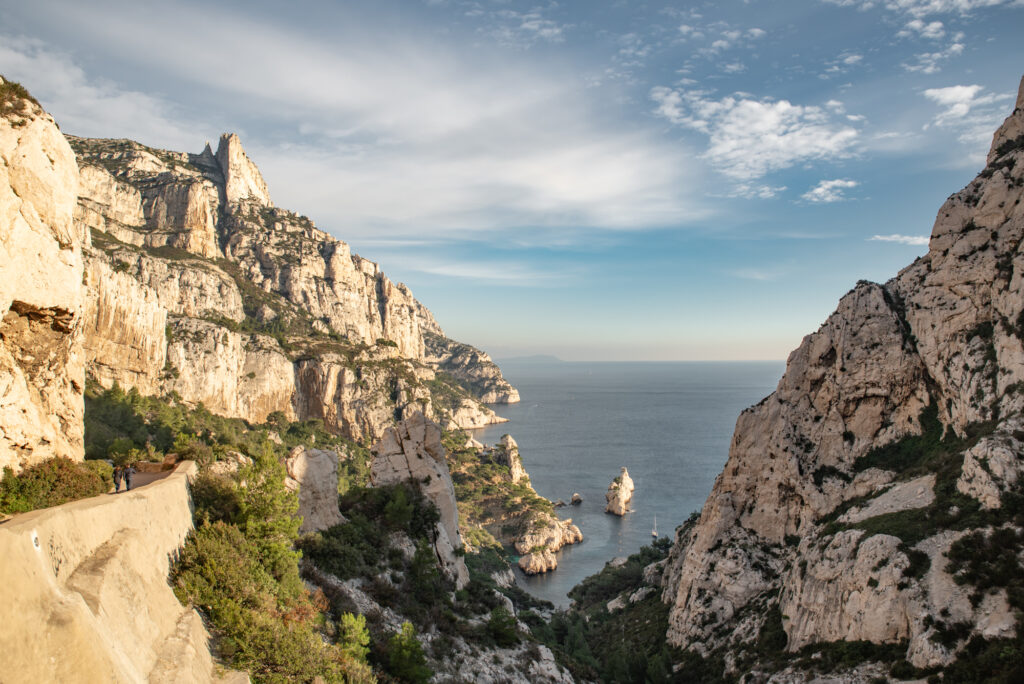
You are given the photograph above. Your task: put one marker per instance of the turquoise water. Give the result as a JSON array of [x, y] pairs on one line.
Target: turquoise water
[[669, 423]]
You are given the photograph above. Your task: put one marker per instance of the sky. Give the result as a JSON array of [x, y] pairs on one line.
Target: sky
[[587, 179]]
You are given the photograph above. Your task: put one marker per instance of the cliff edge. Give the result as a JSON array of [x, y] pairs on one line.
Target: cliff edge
[[895, 431]]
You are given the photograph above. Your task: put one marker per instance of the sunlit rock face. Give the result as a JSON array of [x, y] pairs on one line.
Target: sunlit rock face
[[944, 334], [197, 284], [42, 372]]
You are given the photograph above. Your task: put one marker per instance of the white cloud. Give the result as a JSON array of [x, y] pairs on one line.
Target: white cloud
[[929, 62], [923, 8], [917, 27], [734, 68], [417, 137], [94, 107], [756, 191], [969, 111], [750, 138], [523, 29], [756, 33], [829, 190], [901, 239]]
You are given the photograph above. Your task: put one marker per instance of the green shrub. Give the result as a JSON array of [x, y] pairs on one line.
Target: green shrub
[[502, 628], [50, 483], [263, 627], [405, 660]]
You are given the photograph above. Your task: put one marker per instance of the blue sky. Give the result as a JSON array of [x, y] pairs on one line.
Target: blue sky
[[595, 180]]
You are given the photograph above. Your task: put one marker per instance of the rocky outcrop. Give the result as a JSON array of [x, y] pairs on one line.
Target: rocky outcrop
[[242, 180], [196, 239], [538, 545], [314, 474], [619, 494], [85, 591], [42, 371], [473, 368], [143, 196], [412, 451], [506, 453], [937, 350]]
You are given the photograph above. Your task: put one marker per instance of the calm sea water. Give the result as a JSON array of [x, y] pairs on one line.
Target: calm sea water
[[670, 424]]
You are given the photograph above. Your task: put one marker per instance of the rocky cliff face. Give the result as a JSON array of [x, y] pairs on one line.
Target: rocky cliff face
[[42, 374], [412, 451], [197, 284], [894, 425]]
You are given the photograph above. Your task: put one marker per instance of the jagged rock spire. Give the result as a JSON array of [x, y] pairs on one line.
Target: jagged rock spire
[[242, 179]]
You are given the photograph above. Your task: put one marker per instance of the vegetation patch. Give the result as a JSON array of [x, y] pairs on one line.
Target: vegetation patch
[[16, 104], [52, 482]]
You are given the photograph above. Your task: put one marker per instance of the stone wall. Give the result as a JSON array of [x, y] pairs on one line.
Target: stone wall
[[85, 593]]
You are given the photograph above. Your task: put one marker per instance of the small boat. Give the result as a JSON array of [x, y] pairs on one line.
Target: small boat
[[654, 530]]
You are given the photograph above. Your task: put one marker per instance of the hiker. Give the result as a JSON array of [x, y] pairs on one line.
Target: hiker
[[128, 473], [118, 477]]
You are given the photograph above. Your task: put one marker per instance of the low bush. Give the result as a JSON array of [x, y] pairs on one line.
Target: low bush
[[51, 483]]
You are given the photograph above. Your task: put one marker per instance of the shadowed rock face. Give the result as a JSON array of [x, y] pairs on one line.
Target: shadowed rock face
[[946, 334], [412, 451], [42, 374]]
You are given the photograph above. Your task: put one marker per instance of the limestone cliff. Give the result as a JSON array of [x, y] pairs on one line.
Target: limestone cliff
[[197, 284], [41, 295], [895, 426], [412, 451]]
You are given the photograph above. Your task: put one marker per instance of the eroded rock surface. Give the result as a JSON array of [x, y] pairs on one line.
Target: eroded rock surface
[[42, 363], [619, 494], [314, 473], [412, 451], [938, 349]]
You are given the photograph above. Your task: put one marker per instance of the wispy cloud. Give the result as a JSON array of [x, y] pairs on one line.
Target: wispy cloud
[[830, 190], [901, 239], [750, 138], [95, 107], [524, 29], [418, 136], [968, 110], [930, 62], [923, 8]]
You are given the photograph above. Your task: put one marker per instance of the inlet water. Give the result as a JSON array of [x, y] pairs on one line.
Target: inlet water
[[578, 424]]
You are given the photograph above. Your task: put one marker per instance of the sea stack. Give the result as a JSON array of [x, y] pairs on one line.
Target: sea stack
[[620, 493]]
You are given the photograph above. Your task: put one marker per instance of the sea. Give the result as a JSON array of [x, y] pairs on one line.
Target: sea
[[579, 423]]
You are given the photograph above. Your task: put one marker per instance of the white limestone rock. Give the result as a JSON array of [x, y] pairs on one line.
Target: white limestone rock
[[412, 451], [42, 362], [314, 473], [619, 494]]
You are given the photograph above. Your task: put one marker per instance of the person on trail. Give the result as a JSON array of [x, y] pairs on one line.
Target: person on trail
[[118, 477], [128, 473]]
